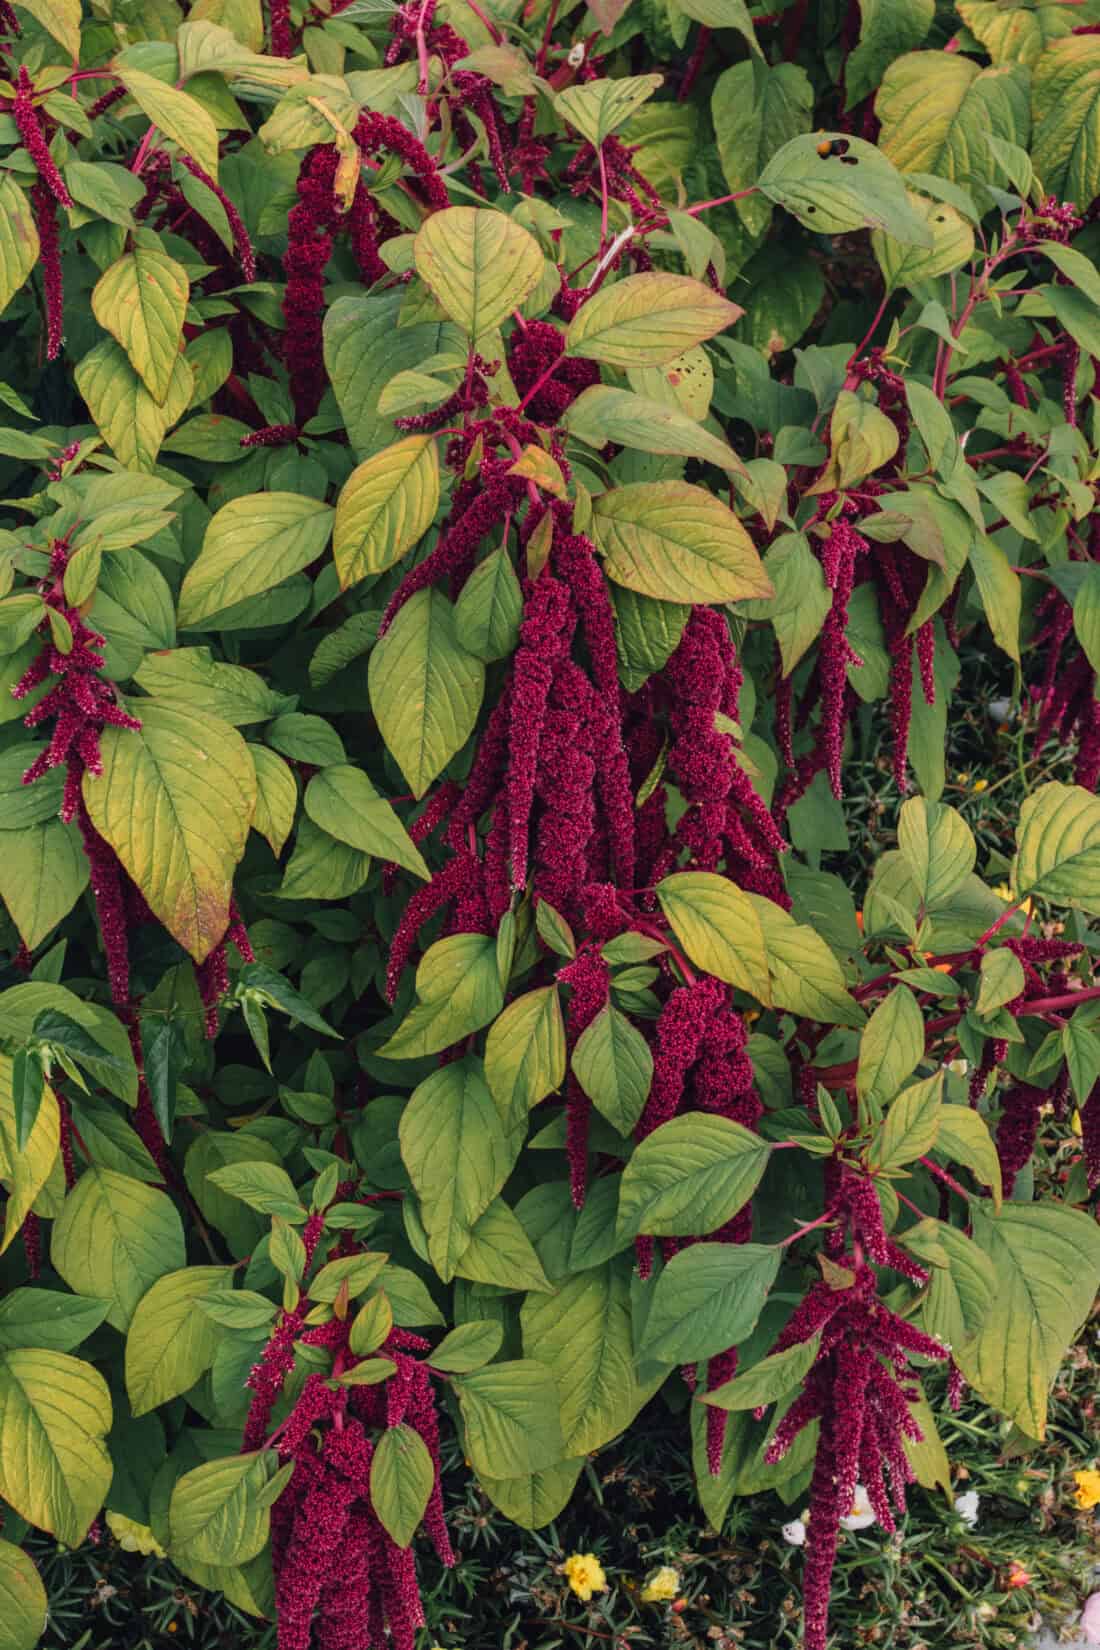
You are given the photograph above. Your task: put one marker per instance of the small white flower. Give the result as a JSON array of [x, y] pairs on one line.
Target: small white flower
[[959, 1067], [1000, 709], [966, 1505], [795, 1533], [862, 1513], [576, 55]]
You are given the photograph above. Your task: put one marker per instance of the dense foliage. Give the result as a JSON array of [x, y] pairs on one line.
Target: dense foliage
[[425, 1003]]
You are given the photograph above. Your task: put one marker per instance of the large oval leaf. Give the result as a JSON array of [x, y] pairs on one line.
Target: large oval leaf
[[478, 264], [690, 1176], [384, 507], [425, 689], [170, 1342], [175, 801], [678, 543], [252, 544], [55, 1412], [114, 1238], [646, 320], [22, 1600], [1058, 847], [141, 301]]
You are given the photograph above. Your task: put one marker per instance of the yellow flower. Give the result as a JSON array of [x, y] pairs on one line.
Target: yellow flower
[[1076, 1124], [980, 785], [661, 1585], [585, 1575], [1087, 1493], [133, 1537], [963, 778]]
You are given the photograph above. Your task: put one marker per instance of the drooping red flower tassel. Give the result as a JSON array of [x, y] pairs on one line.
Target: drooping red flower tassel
[[43, 207], [33, 138]]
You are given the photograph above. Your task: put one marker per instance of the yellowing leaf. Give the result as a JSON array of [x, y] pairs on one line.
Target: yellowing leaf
[[343, 802], [833, 183], [60, 18], [384, 507], [479, 265], [601, 414], [1065, 96], [114, 1238], [937, 109], [171, 1343], [276, 797], [131, 421], [676, 542], [25, 1168], [175, 802], [425, 690], [600, 107], [525, 1053], [179, 116], [141, 301], [252, 544], [43, 873], [215, 1515], [648, 320], [55, 1412]]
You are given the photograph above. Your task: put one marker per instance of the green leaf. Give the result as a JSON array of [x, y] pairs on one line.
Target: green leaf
[[773, 1377], [263, 1186], [214, 1515], [458, 983], [582, 1333], [343, 802], [887, 28], [401, 1481], [468, 1347], [601, 107], [1058, 847], [170, 1343], [115, 1236], [938, 848], [131, 421], [279, 992], [525, 1053], [489, 610], [707, 1299], [28, 1089], [1002, 979], [719, 928], [27, 1168], [756, 110], [805, 975], [851, 186], [54, 1468], [938, 108], [23, 1599], [910, 1127], [357, 1272], [238, 1308], [801, 597], [1046, 1262], [613, 1065], [648, 320], [321, 867], [963, 1137], [962, 1281], [252, 544], [1086, 615], [903, 265], [1081, 1047], [43, 873], [180, 117], [385, 507], [364, 347], [457, 1156], [510, 1415], [500, 1252], [372, 1325], [191, 679], [1065, 95], [48, 1318], [175, 801], [891, 1048], [535, 1499], [478, 264], [690, 1176], [676, 542], [19, 248], [601, 414], [425, 690], [141, 301]]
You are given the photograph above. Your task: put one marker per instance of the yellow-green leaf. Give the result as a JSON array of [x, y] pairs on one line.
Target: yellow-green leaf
[[902, 263], [425, 690], [252, 544], [22, 1600], [676, 542], [718, 928], [276, 797], [55, 1412], [1065, 96], [384, 507], [175, 801], [130, 420], [525, 1052], [937, 109], [648, 320], [19, 247], [43, 873], [479, 265], [26, 1168], [600, 107], [141, 301], [1058, 847], [180, 117], [343, 802], [171, 1343], [115, 1236], [601, 414], [60, 18], [215, 1516]]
